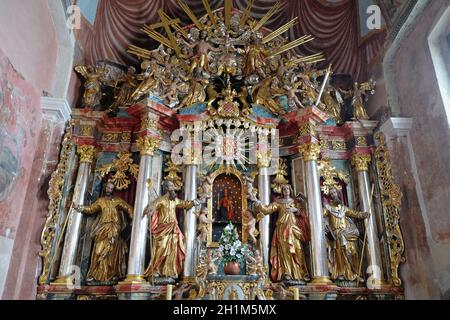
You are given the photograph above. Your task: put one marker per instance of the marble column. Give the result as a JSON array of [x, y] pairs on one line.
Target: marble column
[[73, 227], [375, 268], [264, 197], [136, 259], [320, 275], [190, 221]]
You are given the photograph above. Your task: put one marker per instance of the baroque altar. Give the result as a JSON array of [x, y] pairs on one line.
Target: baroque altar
[[229, 167]]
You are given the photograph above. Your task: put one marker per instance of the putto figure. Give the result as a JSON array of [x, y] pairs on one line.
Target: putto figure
[[168, 250], [203, 224], [345, 234], [108, 253]]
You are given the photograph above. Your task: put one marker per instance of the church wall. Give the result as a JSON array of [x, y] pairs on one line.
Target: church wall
[[420, 161], [20, 123], [28, 39], [31, 61]]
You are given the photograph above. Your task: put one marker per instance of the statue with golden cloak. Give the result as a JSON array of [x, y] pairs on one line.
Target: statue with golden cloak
[[286, 254], [108, 254], [168, 249]]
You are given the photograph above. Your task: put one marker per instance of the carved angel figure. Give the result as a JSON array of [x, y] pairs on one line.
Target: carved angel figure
[[203, 224], [252, 192], [292, 88], [151, 80], [255, 266], [251, 227], [205, 190], [125, 90], [93, 84], [360, 96]]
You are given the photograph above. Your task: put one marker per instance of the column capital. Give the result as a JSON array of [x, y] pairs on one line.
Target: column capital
[[310, 151], [147, 145], [87, 153], [361, 161]]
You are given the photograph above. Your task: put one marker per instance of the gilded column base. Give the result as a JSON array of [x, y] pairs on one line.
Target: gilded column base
[[133, 278], [321, 281]]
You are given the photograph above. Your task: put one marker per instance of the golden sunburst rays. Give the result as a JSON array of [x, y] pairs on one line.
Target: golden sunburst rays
[[291, 45], [267, 16], [140, 52], [279, 31], [227, 147], [228, 8], [211, 16], [174, 23], [190, 14], [167, 23], [311, 59], [171, 25], [246, 13]]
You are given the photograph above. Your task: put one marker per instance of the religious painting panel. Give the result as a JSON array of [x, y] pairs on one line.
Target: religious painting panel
[[227, 204]]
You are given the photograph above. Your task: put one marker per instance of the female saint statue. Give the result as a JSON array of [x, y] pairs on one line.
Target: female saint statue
[[286, 254]]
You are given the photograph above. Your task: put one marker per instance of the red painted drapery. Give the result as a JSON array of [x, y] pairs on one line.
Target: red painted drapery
[[335, 26]]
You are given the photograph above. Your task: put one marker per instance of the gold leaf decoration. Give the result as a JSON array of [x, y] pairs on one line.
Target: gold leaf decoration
[[330, 176], [121, 165], [173, 174], [391, 201], [280, 178], [54, 192]]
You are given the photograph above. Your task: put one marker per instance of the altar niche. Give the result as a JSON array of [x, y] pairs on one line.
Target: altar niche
[[228, 203]]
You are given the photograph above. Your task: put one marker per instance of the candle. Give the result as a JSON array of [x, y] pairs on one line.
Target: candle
[[296, 294], [169, 292]]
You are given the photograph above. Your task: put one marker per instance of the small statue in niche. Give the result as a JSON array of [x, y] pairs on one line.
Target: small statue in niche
[[226, 207]]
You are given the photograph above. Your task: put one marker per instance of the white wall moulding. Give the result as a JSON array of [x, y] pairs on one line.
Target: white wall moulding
[[55, 109]]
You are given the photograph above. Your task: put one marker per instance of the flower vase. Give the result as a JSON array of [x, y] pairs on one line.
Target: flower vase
[[232, 268]]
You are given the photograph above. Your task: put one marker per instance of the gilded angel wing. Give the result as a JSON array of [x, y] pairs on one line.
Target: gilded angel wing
[[368, 86], [83, 70]]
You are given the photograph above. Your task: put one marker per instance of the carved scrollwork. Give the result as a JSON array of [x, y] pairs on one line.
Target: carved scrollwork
[[54, 192], [391, 201]]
